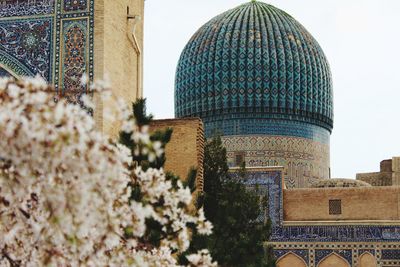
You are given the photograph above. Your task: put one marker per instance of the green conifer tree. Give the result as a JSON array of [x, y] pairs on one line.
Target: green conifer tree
[[238, 237]]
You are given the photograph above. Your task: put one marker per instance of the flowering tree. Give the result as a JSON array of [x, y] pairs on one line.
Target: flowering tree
[[64, 194]]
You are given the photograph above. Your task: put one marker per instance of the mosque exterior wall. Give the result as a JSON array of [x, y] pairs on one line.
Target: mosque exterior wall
[[186, 147], [301, 148], [61, 40], [315, 242], [118, 53], [305, 161], [362, 203], [50, 38]]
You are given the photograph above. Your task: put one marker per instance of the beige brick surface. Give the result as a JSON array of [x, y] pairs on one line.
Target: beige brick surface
[[186, 148], [116, 56], [368, 203]]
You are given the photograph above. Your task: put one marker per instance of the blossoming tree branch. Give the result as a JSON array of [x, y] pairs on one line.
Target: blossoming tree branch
[[65, 198]]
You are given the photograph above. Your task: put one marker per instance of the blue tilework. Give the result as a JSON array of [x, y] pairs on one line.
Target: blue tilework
[[390, 254], [256, 61], [75, 5], [336, 233], [262, 126], [29, 42], [270, 183], [35, 38], [4, 73], [10, 8]]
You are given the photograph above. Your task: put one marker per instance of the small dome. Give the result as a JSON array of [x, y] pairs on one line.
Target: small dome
[[254, 61], [328, 183]]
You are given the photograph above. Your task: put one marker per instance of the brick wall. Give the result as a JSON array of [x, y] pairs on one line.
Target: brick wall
[[368, 203], [186, 148], [117, 56]]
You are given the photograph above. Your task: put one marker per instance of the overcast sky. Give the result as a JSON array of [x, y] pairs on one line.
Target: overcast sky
[[361, 39]]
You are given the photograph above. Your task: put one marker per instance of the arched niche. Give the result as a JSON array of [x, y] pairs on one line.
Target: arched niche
[[290, 260], [333, 260], [367, 260]]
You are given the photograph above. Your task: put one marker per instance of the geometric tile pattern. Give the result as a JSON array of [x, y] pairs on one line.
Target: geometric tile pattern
[[305, 161], [237, 125], [254, 60], [314, 242], [50, 38]]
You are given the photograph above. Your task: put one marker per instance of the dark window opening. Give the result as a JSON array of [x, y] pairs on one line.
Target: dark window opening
[[335, 207], [239, 159]]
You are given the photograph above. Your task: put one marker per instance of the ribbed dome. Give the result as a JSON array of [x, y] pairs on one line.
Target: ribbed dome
[[254, 61]]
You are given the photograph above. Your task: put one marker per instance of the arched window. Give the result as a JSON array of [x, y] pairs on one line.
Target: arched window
[[291, 260], [367, 260], [333, 260]]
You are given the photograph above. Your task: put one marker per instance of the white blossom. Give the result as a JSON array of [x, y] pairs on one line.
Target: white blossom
[[64, 194]]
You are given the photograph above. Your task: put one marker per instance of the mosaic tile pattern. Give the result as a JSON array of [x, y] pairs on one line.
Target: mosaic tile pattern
[[262, 126], [75, 5], [305, 161], [254, 60], [50, 38], [29, 42], [74, 58], [267, 183], [390, 254], [12, 8]]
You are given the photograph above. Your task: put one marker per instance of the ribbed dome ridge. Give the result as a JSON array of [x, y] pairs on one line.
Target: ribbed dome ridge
[[258, 61]]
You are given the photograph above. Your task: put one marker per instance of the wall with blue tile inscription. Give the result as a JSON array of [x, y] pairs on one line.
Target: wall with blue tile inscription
[[316, 241]]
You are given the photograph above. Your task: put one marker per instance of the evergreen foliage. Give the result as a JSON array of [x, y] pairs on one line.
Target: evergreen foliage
[[238, 237]]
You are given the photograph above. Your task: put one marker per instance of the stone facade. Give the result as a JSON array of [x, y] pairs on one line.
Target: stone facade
[[356, 204], [186, 147], [305, 161], [339, 182], [61, 40]]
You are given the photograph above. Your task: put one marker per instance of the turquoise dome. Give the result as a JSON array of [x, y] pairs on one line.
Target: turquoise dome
[[254, 62]]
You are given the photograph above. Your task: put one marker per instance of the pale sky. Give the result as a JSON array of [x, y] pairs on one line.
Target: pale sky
[[361, 39]]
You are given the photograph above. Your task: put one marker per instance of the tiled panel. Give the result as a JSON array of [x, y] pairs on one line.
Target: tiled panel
[[50, 38], [257, 126], [74, 57], [13, 8], [75, 5], [30, 42]]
